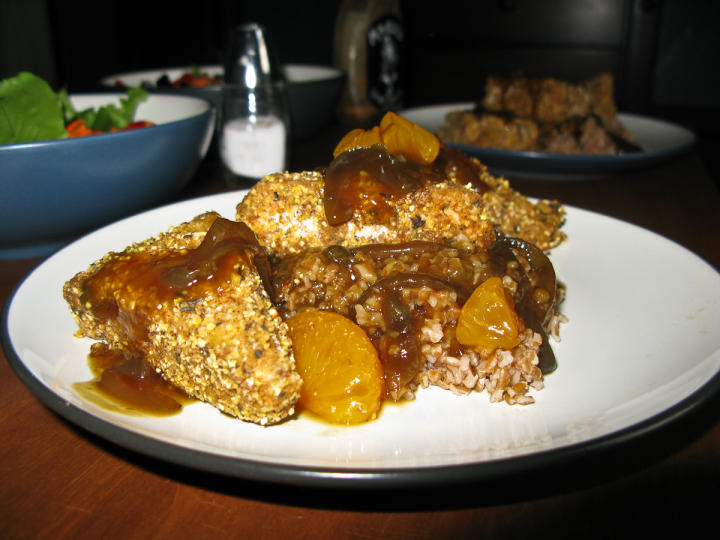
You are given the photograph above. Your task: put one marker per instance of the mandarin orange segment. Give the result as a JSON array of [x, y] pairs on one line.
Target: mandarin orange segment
[[358, 138], [400, 136], [488, 319], [341, 372]]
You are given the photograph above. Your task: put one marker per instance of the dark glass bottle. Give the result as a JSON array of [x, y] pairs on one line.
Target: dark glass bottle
[[369, 47]]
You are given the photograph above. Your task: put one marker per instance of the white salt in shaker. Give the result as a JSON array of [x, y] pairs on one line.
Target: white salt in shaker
[[254, 119]]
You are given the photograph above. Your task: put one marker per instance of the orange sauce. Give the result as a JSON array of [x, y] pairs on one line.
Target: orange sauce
[[124, 291], [127, 383], [366, 180]]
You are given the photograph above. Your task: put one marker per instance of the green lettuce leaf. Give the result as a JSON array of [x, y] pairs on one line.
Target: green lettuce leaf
[[24, 97], [31, 111], [110, 116]]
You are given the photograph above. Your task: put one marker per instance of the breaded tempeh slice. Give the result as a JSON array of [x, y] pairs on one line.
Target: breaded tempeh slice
[[225, 344], [515, 215], [286, 212]]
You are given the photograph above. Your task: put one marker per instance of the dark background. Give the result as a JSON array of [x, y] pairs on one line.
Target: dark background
[[662, 53]]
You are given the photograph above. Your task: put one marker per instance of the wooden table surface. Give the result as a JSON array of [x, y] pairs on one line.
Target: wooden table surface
[[57, 480]]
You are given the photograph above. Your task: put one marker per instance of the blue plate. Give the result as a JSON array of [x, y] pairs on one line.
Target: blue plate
[[661, 141]]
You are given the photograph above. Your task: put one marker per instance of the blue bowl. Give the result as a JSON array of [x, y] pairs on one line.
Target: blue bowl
[[54, 191]]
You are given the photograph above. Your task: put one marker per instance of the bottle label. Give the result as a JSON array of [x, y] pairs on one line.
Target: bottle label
[[386, 62]]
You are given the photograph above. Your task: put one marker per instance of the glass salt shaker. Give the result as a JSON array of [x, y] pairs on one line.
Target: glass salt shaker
[[254, 118]]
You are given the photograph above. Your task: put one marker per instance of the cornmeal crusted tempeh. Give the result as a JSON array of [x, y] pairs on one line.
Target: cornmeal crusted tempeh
[[230, 349], [542, 114], [185, 236], [515, 215], [286, 213]]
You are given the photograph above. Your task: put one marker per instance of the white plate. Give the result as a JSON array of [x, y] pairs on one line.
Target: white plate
[[660, 141], [641, 352]]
